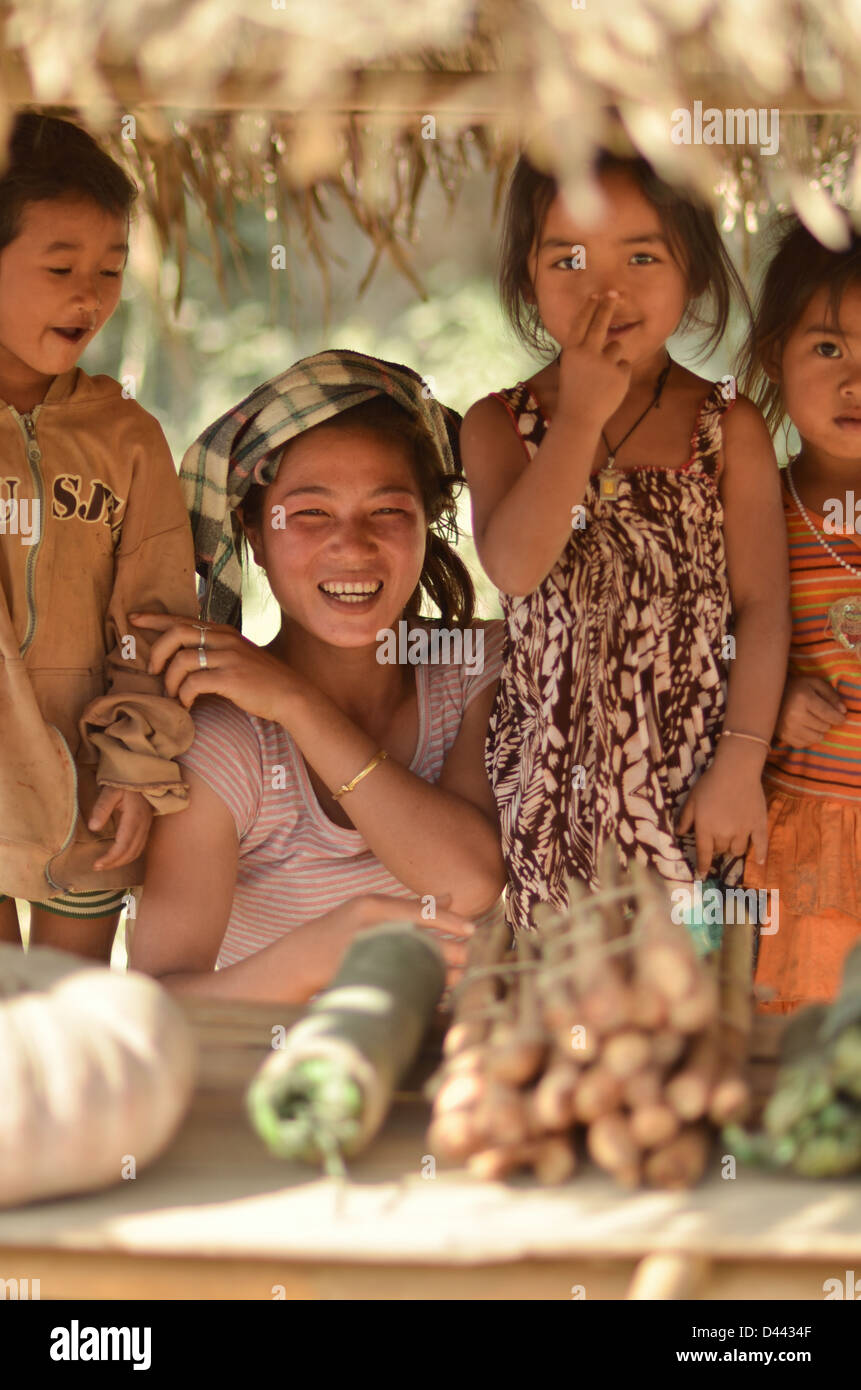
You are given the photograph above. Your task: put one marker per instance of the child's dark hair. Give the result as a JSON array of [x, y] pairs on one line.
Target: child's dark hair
[[50, 158], [688, 224], [799, 265], [444, 579]]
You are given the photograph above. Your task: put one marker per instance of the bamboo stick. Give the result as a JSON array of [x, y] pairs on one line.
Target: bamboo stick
[[732, 1095]]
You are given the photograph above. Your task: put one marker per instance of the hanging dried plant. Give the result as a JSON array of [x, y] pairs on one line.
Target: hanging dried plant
[[279, 109]]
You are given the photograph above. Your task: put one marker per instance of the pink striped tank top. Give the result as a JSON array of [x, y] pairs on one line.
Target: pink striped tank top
[[294, 863]]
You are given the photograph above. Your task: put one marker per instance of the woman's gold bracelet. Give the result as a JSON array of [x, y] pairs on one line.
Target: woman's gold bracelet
[[752, 738], [350, 786]]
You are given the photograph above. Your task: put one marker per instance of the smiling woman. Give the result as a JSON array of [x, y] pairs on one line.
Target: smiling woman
[[385, 465], [328, 790]]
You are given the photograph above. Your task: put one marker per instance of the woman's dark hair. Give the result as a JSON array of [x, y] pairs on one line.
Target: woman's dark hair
[[688, 224], [444, 580], [50, 158], [799, 266]]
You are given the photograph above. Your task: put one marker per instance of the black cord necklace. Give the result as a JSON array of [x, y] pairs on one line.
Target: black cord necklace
[[609, 475]]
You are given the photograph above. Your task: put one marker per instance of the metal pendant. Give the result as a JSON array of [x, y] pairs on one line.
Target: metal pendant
[[608, 480], [845, 621]]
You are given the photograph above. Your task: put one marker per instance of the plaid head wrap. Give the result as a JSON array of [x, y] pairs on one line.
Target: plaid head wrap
[[244, 446]]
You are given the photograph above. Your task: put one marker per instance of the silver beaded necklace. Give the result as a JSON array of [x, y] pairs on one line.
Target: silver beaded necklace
[[817, 533]]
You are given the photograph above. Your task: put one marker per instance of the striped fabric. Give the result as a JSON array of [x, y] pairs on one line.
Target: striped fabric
[[294, 863], [831, 768], [85, 905]]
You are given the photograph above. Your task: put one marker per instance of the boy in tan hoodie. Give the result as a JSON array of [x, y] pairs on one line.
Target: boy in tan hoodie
[[92, 527]]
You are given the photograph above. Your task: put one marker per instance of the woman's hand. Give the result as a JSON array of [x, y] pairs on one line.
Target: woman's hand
[[134, 816], [809, 709], [593, 375], [727, 810], [335, 931], [247, 675]]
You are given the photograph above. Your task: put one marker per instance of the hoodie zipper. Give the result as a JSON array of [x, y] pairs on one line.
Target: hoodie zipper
[[27, 424]]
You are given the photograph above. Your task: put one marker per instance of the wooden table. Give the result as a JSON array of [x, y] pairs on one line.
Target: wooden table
[[217, 1217]]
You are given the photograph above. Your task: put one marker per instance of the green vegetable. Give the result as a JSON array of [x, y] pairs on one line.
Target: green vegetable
[[325, 1093], [835, 1118], [748, 1146], [846, 1009], [846, 1061], [754, 1146], [802, 1090], [830, 1155], [802, 1036], [805, 1129], [813, 1120], [803, 1081]]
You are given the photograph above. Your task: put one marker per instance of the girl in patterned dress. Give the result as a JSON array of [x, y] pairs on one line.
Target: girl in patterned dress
[[629, 512], [803, 360]]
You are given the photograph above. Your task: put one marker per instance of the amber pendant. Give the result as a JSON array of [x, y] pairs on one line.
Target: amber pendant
[[608, 480]]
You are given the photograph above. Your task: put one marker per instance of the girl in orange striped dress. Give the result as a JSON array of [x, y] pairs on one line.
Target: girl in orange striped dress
[[803, 361]]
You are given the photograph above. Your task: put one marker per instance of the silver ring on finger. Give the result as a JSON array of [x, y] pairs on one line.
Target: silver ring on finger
[[202, 631], [201, 657]]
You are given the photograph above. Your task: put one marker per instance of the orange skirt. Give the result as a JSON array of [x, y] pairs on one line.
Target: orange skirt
[[814, 864]]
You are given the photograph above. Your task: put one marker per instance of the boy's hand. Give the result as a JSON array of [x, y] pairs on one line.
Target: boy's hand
[[727, 810], [134, 815], [810, 708]]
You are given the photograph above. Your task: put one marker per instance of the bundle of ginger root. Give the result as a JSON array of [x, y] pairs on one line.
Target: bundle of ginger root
[[600, 1025]]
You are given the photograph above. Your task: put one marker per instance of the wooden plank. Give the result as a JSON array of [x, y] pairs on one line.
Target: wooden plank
[[235, 1039], [113, 1275], [380, 95], [386, 96], [218, 1193], [65, 1275], [669, 1276], [237, 1017]]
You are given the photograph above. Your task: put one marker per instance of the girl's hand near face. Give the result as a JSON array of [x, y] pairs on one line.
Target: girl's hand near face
[[809, 709], [237, 670], [593, 375]]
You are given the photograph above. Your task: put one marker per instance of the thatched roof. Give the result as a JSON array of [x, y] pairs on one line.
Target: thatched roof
[[293, 103]]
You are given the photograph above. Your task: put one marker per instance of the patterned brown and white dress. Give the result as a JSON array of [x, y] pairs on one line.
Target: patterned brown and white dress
[[613, 684]]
